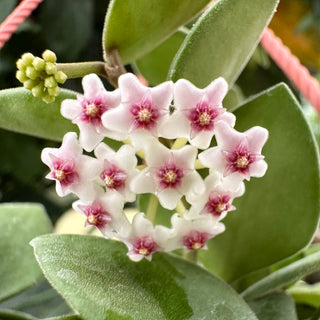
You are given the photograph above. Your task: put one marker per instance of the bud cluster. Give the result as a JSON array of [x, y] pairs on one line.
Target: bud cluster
[[40, 75], [167, 132]]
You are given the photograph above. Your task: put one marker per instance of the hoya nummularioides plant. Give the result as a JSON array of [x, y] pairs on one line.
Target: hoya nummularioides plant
[[167, 131]]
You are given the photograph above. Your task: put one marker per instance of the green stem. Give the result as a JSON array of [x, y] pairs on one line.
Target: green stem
[[192, 256], [80, 69], [152, 208]]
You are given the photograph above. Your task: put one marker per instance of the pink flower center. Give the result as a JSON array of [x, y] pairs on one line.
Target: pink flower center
[[113, 177], [92, 110], [217, 204], [195, 240], [239, 160], [144, 246], [170, 176], [64, 171], [144, 115], [203, 115], [96, 215]]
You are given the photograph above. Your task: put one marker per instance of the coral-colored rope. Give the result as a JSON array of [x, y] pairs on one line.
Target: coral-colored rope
[[292, 68], [13, 21]]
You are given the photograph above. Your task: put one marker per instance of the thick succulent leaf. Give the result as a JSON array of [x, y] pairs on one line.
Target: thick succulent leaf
[[149, 23], [277, 306], [155, 65], [18, 268], [21, 112], [278, 214], [283, 276], [100, 282], [222, 41]]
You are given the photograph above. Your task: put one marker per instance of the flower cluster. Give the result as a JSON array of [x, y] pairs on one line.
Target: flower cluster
[[165, 130], [40, 75]]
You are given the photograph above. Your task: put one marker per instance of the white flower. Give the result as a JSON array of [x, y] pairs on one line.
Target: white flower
[[218, 197], [170, 174], [238, 153], [118, 169], [196, 112], [87, 111], [141, 109], [72, 171]]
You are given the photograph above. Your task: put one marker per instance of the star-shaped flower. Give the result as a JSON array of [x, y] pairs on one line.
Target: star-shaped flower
[[105, 212], [218, 197], [118, 169], [88, 109], [142, 109], [143, 239], [169, 174], [196, 112], [193, 234], [238, 153], [72, 171]]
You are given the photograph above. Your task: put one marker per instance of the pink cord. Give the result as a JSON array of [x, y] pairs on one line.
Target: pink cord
[[13, 21], [292, 68]]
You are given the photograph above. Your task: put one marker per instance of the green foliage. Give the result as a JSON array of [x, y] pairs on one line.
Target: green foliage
[[274, 306], [149, 23], [95, 276], [21, 112], [278, 215], [18, 268], [222, 41], [155, 65]]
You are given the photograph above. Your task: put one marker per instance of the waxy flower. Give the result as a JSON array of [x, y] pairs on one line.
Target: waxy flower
[[87, 111], [143, 239], [193, 234], [117, 169], [238, 153], [72, 171], [169, 174], [105, 212], [218, 197], [142, 109], [196, 112]]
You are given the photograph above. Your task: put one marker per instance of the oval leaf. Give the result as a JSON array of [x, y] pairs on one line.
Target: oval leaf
[[100, 282], [15, 315], [283, 276], [155, 65], [277, 306], [222, 41], [18, 268], [21, 112], [278, 214], [149, 23]]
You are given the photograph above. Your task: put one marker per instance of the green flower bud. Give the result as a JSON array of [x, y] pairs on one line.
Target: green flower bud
[[61, 77], [50, 82], [40, 75], [39, 64], [32, 73], [49, 56]]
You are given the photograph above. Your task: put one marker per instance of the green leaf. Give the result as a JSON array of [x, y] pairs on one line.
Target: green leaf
[[21, 112], [278, 214], [277, 306], [20, 223], [149, 23], [68, 26], [14, 315], [155, 65], [284, 276], [100, 282], [222, 41], [305, 293], [73, 317]]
